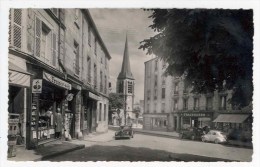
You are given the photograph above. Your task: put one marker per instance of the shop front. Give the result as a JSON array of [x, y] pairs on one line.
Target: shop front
[[193, 119], [19, 83], [49, 93], [157, 122], [237, 125], [89, 114]]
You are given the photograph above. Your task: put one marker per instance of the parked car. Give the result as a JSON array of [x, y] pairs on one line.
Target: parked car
[[245, 136], [191, 133], [124, 132], [215, 136]]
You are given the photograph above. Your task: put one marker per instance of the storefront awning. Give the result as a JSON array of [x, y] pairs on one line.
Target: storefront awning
[[18, 76], [231, 118]]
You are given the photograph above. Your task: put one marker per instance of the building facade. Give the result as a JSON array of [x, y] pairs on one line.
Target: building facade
[[125, 85], [184, 109], [57, 59], [157, 97]]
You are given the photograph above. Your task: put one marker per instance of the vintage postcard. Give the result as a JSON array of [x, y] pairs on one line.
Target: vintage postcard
[[151, 84]]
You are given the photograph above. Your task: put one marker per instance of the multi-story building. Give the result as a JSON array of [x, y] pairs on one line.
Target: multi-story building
[[179, 108], [157, 97], [57, 59]]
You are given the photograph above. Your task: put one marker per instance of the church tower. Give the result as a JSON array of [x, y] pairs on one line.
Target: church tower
[[125, 83]]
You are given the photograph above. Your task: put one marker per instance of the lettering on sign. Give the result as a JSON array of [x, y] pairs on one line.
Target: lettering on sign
[[56, 81], [195, 115]]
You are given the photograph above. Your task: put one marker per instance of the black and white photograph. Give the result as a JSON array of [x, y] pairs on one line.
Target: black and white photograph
[[147, 84]]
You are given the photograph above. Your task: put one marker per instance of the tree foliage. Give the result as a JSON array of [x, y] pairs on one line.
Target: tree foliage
[[115, 101], [207, 47]]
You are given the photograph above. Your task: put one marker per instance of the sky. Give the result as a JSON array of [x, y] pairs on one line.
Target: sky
[[113, 25]]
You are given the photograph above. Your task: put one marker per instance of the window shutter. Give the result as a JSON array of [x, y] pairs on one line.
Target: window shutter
[[38, 31], [10, 27], [54, 49], [17, 28]]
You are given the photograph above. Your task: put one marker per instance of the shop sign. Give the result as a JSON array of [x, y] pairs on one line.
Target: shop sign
[[37, 86], [19, 78], [56, 81], [93, 96], [195, 114]]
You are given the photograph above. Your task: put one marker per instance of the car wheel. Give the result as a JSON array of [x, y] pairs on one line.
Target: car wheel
[[192, 137], [216, 141]]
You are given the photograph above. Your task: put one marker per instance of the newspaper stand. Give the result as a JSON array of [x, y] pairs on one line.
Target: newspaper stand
[[12, 134]]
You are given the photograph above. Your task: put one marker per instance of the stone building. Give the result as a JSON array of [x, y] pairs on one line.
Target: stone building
[[125, 85], [169, 105], [57, 59]]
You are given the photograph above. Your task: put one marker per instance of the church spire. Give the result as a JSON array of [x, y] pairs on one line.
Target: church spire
[[125, 70]]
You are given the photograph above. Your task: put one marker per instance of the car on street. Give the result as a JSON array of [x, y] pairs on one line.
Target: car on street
[[124, 132], [192, 133], [215, 136]]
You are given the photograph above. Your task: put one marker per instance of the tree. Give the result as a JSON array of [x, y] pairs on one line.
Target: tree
[[207, 47], [115, 101]]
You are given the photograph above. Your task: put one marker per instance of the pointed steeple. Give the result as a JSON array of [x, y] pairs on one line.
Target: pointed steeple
[[126, 70]]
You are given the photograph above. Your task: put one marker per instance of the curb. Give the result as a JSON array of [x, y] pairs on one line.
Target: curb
[[45, 157], [177, 137]]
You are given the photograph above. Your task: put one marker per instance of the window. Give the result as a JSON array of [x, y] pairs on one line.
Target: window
[[176, 88], [156, 65], [54, 49], [163, 107], [95, 76], [105, 62], [147, 108], [55, 11], [196, 103], [130, 87], [209, 102], [105, 91], [185, 88], [148, 94], [105, 112], [76, 53], [155, 94], [163, 93], [100, 112], [155, 80], [120, 86], [185, 104], [155, 107], [15, 29], [163, 79], [89, 36], [223, 102], [175, 104], [95, 47], [101, 81], [89, 69], [76, 15]]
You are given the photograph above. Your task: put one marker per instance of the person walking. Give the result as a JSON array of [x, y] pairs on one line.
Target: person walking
[[58, 124]]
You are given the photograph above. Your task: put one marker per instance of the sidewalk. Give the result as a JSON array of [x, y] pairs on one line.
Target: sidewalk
[[176, 135], [45, 152]]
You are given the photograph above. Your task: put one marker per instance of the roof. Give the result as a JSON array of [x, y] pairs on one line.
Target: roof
[[231, 118], [126, 70]]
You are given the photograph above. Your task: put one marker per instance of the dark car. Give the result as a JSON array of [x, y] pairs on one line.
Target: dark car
[[192, 133], [124, 132]]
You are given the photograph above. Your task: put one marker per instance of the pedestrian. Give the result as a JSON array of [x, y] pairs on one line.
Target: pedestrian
[[58, 124]]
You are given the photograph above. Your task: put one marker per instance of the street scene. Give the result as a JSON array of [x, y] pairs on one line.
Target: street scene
[[98, 85]]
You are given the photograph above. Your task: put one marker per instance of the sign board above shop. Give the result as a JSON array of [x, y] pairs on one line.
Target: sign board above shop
[[195, 114], [56, 81]]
